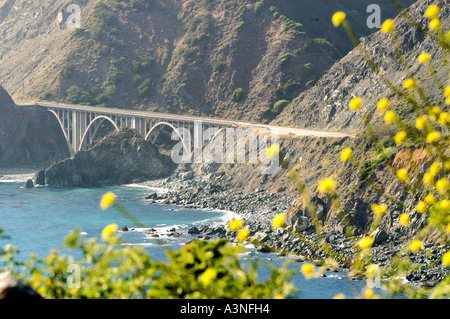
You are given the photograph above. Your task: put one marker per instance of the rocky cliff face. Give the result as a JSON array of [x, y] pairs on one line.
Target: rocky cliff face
[[29, 136], [325, 106], [120, 158]]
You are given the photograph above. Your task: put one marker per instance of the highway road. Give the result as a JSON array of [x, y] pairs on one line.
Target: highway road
[[280, 130]]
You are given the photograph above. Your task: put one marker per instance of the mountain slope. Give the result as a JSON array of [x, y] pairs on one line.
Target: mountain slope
[[325, 105], [233, 59]]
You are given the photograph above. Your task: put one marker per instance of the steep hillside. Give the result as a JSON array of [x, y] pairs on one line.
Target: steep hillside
[[325, 105], [234, 58], [29, 136]]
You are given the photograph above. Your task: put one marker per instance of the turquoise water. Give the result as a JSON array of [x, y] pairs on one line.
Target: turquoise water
[[37, 220]]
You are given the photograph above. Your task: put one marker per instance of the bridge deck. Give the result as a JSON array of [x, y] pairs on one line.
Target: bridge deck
[[184, 118]]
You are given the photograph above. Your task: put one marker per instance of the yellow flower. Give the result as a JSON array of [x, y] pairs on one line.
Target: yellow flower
[[428, 178], [443, 118], [447, 91], [109, 230], [421, 122], [435, 168], [388, 26], [446, 259], [415, 246], [435, 24], [108, 200], [9, 248], [447, 165], [444, 205], [339, 296], [434, 113], [371, 269], [383, 104], [402, 174], [278, 221], [346, 154], [432, 12], [447, 100], [338, 18], [424, 57], [366, 242], [400, 137], [448, 228], [308, 270], [421, 207], [236, 224], [442, 185], [430, 199], [433, 137], [355, 103], [279, 296], [327, 185], [242, 235], [390, 117], [404, 219], [409, 83], [208, 276], [368, 293], [379, 209], [273, 151], [435, 110]]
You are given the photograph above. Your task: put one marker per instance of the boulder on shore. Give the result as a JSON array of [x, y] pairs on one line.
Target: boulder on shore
[[13, 289], [39, 178], [28, 184], [119, 158]]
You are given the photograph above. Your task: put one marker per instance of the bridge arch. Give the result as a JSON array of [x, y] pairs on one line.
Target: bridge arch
[[100, 117], [172, 127], [219, 131], [69, 145]]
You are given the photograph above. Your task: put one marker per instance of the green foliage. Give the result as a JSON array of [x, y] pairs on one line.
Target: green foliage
[[78, 95], [46, 95], [146, 4], [219, 67], [143, 65], [145, 88], [206, 4], [68, 70], [259, 6], [240, 14], [114, 76], [198, 31], [279, 106], [285, 60], [308, 72], [201, 269], [238, 95], [104, 25], [78, 33], [312, 46], [288, 90], [289, 24]]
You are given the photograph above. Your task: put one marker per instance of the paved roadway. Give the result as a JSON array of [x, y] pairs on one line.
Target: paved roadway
[[281, 130]]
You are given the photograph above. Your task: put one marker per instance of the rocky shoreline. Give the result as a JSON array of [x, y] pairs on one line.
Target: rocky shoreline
[[259, 208], [16, 174]]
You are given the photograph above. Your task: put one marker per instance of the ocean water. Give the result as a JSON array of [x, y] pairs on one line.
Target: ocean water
[[38, 219]]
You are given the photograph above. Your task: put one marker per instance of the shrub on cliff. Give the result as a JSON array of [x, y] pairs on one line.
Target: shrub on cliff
[[78, 95], [238, 95]]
